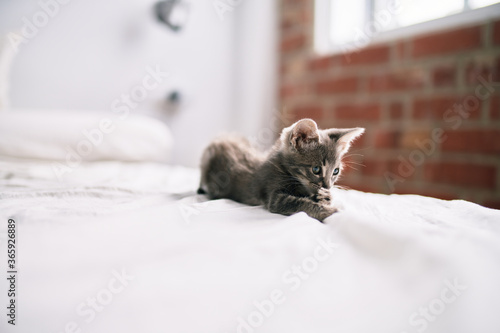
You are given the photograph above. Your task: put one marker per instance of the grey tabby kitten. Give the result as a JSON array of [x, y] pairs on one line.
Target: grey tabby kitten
[[294, 176]]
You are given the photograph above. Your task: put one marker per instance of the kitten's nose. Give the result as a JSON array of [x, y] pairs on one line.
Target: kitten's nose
[[327, 184]]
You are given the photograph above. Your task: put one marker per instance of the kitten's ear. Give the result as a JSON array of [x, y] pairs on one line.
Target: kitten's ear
[[344, 137], [304, 132]]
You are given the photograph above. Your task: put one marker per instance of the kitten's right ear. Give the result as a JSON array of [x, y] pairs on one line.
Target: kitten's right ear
[[303, 133], [344, 137]]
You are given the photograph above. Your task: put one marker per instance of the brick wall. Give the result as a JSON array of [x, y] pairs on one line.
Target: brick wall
[[433, 124]]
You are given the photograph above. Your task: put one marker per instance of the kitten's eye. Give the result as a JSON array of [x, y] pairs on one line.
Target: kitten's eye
[[316, 170], [336, 171]]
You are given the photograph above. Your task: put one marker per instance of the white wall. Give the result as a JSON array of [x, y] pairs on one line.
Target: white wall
[[256, 66], [91, 52]]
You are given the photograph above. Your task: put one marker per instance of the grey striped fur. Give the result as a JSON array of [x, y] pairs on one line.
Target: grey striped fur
[[282, 179]]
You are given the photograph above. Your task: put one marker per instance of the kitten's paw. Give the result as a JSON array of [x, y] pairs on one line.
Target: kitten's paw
[[326, 211], [323, 197]]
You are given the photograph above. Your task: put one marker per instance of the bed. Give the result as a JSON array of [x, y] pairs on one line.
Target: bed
[[128, 246]]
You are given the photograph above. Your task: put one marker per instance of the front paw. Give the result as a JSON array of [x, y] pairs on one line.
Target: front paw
[[326, 211], [323, 197]]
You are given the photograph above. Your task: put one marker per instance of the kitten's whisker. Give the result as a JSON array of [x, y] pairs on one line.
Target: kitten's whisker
[[350, 163], [360, 149], [342, 187], [348, 159], [352, 166], [351, 154]]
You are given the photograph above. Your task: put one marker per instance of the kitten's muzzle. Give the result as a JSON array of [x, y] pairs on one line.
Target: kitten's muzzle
[[327, 184]]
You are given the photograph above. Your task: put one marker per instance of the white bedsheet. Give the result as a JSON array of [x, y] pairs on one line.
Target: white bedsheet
[[188, 265]]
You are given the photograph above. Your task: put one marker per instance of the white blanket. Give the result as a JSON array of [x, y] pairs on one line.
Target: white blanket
[[130, 248]]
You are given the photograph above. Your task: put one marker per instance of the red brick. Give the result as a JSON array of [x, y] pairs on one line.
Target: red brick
[[287, 91], [427, 193], [433, 107], [479, 69], [496, 33], [290, 90], [373, 167], [436, 107], [307, 111], [447, 42], [495, 108], [365, 188], [341, 85], [355, 184], [402, 80], [472, 141], [283, 69], [444, 76], [368, 56], [387, 139], [359, 143], [294, 2], [378, 168], [409, 139], [465, 174], [357, 111], [293, 43], [496, 72], [495, 204], [396, 110], [319, 64], [401, 48], [417, 139], [295, 68], [291, 18]]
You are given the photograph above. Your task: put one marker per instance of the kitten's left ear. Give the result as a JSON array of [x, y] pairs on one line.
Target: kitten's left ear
[[344, 137], [304, 133]]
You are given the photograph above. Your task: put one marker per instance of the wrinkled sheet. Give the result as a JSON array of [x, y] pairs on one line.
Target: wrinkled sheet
[[124, 247]]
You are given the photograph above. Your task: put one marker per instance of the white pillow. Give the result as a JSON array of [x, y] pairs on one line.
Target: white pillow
[[73, 137], [7, 53]]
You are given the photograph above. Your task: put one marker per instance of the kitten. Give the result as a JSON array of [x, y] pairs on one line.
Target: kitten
[[294, 176]]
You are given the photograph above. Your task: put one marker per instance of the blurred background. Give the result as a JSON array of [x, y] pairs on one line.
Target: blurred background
[[421, 77], [80, 56], [416, 74]]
